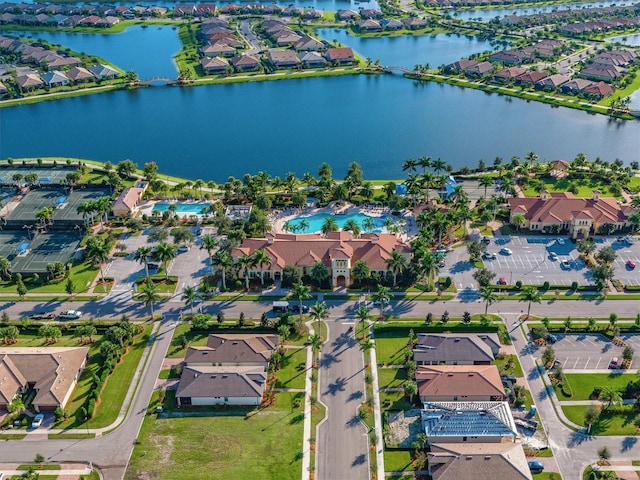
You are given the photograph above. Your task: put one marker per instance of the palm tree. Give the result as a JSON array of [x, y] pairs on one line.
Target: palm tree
[[362, 314], [397, 263], [301, 292], [85, 209], [246, 262], [315, 342], [489, 297], [318, 311], [518, 220], [368, 224], [319, 272], [97, 252], [165, 253], [609, 396], [190, 295], [142, 255], [485, 181], [530, 294], [209, 243], [303, 225], [261, 259], [223, 261], [5, 267], [439, 165], [424, 163], [148, 294], [409, 165], [352, 226], [329, 225], [381, 297], [44, 215]]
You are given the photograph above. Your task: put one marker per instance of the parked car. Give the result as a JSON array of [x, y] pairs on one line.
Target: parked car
[[553, 256], [536, 467], [486, 240], [551, 338], [489, 255], [565, 265], [183, 248], [505, 251], [153, 266], [43, 316], [295, 308], [628, 240], [70, 314], [37, 420], [502, 281], [631, 264], [613, 364]]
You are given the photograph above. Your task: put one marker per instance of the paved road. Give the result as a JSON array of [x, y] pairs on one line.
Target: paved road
[[110, 452], [342, 439]]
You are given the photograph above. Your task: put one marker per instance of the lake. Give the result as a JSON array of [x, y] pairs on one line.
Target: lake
[[212, 132]]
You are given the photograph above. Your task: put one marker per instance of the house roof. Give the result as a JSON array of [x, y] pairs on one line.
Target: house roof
[[51, 369], [283, 57], [100, 70], [29, 80], [79, 73], [467, 419], [340, 53], [560, 207], [234, 348], [456, 380], [305, 250], [480, 461], [210, 381], [455, 347], [54, 76]]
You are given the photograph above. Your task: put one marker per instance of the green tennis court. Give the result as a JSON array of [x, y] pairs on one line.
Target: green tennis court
[[10, 241], [45, 175], [44, 249]]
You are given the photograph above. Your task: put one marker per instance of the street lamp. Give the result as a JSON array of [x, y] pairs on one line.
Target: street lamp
[[510, 278]]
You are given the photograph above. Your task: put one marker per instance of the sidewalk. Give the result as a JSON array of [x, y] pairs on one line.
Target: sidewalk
[[68, 471]]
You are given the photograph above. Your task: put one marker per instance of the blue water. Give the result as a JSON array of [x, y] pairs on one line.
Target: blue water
[[410, 50], [315, 221], [147, 51], [195, 208], [632, 39]]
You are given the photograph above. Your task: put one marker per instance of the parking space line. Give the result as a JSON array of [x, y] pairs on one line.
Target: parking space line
[[576, 364], [587, 364], [598, 364]]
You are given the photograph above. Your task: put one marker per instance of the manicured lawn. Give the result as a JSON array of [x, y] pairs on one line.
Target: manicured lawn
[[292, 372], [65, 341], [394, 401], [587, 474], [82, 276], [585, 186], [392, 377], [398, 461], [583, 384], [547, 476], [515, 371], [608, 424], [265, 444], [390, 348]]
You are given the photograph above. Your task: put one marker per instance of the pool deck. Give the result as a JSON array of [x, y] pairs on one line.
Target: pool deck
[[147, 207]]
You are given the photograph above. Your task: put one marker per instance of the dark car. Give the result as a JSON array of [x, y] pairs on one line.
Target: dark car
[[552, 338], [296, 308], [536, 467]]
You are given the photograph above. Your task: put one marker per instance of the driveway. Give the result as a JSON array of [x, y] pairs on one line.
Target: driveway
[[343, 447]]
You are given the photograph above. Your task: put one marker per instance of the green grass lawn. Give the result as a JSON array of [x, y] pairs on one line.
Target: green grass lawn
[[547, 476], [265, 444], [292, 372], [583, 384], [585, 186], [398, 461], [82, 276], [390, 348], [394, 401], [587, 474], [392, 377], [607, 424], [515, 370]]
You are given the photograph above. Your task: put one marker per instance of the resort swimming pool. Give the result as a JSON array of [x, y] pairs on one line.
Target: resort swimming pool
[[315, 222], [195, 208]]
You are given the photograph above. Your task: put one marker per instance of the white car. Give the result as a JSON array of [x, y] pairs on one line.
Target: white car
[[489, 255], [37, 420], [505, 251], [70, 314]]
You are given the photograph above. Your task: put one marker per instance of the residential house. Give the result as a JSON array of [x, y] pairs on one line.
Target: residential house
[[575, 86], [370, 13], [369, 25], [218, 49], [79, 74], [292, 11], [233, 350], [605, 73], [391, 24], [598, 90], [340, 55], [530, 78], [54, 78], [337, 250], [184, 10], [214, 65], [49, 375], [126, 204], [414, 23], [581, 217], [29, 81], [3, 89], [312, 60], [345, 15], [468, 422], [480, 461], [452, 383], [103, 71], [286, 38], [459, 66], [207, 385], [480, 69], [283, 58], [57, 62], [552, 82], [508, 75], [310, 14], [246, 63], [456, 349], [307, 44]]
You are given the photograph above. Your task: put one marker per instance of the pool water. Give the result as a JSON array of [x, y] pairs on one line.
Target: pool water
[[315, 221], [195, 208]]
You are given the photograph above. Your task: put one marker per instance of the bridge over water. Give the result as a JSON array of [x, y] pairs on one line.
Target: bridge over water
[[158, 80]]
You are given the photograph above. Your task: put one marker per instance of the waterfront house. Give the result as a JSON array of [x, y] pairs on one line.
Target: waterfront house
[[508, 75], [414, 23], [345, 15], [339, 251], [273, 9], [58, 62], [310, 14], [509, 57], [530, 78], [283, 59], [126, 204], [391, 24], [246, 63], [79, 74], [370, 13], [480, 461], [456, 349], [54, 78], [205, 10], [29, 81], [369, 25], [605, 73], [307, 44], [552, 82], [184, 10], [214, 65], [286, 38], [47, 375], [340, 55], [479, 69], [452, 383], [206, 385], [292, 11], [580, 217], [89, 21], [103, 71], [459, 66], [312, 60], [598, 90], [218, 49], [575, 86]]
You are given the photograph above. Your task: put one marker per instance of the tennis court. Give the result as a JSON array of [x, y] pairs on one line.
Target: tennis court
[[44, 249], [45, 175], [10, 241], [66, 206]]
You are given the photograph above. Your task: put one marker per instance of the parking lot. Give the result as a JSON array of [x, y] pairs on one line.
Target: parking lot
[[590, 351], [534, 260]]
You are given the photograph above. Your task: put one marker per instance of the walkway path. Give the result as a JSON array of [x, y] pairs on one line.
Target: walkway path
[[68, 471]]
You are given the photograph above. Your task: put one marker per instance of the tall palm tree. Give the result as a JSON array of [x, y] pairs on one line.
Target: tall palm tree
[[165, 253], [397, 263], [261, 259], [424, 163], [190, 295], [409, 165], [381, 297], [44, 215], [246, 262], [97, 252], [368, 224], [148, 294], [531, 295], [329, 225], [352, 226], [609, 396], [487, 294], [209, 243], [318, 311], [223, 261], [301, 292], [315, 342], [142, 255], [439, 165]]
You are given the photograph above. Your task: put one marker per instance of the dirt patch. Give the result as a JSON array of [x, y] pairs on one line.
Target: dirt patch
[[164, 447], [404, 428]]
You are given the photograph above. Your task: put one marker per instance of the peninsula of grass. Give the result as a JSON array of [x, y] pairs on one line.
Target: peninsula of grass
[[609, 423], [263, 443], [584, 384]]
